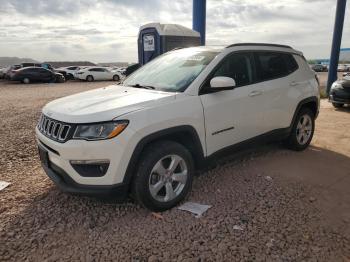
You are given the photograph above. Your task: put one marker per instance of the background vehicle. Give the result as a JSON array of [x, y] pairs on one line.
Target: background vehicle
[[319, 68], [342, 68], [339, 94], [10, 71], [28, 75], [68, 72], [131, 69], [97, 73], [174, 114]]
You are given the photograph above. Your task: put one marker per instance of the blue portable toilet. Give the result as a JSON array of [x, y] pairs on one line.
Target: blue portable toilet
[[155, 39]]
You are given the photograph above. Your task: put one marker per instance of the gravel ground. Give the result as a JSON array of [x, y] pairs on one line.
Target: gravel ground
[[281, 218]]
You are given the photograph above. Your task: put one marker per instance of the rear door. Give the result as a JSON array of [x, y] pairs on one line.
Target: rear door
[[233, 116], [45, 75], [276, 74]]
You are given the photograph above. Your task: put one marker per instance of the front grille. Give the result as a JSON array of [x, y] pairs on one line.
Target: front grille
[[54, 129]]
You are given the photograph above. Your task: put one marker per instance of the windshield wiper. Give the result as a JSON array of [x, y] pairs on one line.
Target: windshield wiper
[[142, 86]]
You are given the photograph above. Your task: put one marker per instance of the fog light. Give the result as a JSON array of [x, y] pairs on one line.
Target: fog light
[[90, 168]]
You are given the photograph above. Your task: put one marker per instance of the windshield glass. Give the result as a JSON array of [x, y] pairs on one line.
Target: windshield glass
[[173, 71]]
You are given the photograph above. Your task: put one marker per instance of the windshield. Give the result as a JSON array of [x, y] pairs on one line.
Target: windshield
[[173, 71]]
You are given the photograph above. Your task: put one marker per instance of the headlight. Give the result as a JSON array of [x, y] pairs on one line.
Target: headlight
[[336, 85], [100, 131]]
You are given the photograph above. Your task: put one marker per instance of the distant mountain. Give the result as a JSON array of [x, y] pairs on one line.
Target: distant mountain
[[117, 64], [57, 64], [7, 61]]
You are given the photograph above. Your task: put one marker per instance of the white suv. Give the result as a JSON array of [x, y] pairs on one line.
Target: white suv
[[148, 135]]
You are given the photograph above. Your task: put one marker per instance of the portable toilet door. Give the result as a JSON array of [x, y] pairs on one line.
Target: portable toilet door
[[149, 45]]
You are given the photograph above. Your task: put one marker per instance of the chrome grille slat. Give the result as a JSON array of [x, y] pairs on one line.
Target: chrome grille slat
[[53, 129]]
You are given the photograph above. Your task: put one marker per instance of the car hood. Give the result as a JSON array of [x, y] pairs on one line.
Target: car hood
[[104, 104]]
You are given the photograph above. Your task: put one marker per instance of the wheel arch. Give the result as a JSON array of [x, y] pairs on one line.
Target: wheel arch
[[185, 135], [311, 102]]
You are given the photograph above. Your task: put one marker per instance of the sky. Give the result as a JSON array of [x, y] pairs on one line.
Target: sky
[[106, 30]]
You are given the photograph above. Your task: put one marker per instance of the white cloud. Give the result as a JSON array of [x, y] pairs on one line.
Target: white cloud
[[107, 30]]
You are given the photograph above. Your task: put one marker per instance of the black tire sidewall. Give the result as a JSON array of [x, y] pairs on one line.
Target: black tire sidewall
[[292, 140], [150, 157], [90, 78], [116, 78]]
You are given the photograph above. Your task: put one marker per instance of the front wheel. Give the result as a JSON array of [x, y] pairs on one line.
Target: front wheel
[[26, 81], [302, 130], [89, 78], [116, 78], [164, 176]]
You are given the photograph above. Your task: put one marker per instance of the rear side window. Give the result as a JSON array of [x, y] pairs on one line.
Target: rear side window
[[271, 65], [96, 70]]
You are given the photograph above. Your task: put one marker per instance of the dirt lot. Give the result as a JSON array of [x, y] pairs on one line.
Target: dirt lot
[[301, 214]]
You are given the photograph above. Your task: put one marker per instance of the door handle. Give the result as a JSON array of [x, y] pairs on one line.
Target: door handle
[[294, 83], [255, 93]]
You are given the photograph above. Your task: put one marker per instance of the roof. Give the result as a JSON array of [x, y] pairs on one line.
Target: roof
[[171, 29]]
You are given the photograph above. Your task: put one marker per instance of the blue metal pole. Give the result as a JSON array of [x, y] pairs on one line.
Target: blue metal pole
[[337, 35], [199, 17]]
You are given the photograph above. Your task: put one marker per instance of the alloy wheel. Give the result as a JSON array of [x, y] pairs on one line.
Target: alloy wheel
[[168, 178], [304, 129]]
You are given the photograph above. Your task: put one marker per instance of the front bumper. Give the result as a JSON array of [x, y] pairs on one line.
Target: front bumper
[[59, 168], [67, 184], [339, 96]]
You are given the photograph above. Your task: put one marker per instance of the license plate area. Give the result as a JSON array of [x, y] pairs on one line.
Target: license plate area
[[44, 156]]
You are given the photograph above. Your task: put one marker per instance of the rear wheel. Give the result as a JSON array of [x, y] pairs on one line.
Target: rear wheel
[[26, 80], [337, 105], [116, 78], [164, 176], [90, 78], [302, 130]]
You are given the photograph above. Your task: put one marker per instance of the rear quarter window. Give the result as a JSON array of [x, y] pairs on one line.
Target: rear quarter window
[[272, 65]]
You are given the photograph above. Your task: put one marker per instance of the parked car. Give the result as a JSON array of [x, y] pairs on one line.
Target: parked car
[[68, 71], [10, 71], [339, 94], [28, 75], [342, 68], [148, 136], [44, 65], [97, 73], [2, 72], [319, 68], [131, 69]]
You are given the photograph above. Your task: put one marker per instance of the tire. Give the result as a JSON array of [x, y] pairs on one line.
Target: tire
[[154, 169], [90, 78], [337, 105], [302, 132], [26, 80], [116, 78]]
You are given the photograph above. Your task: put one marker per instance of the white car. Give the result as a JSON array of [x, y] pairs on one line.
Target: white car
[[97, 73], [148, 136], [69, 71]]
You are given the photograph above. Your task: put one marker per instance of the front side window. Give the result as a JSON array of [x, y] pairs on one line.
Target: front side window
[[173, 71], [271, 65], [237, 66]]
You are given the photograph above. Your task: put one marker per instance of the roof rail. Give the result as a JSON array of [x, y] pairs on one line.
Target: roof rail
[[259, 44]]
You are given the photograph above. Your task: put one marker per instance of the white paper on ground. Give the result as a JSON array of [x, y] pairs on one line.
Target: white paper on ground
[[3, 185], [195, 208]]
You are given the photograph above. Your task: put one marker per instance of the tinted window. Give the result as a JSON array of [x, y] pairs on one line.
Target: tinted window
[[237, 66], [272, 65], [72, 68], [96, 69]]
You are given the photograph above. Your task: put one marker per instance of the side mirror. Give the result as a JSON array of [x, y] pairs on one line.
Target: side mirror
[[219, 83]]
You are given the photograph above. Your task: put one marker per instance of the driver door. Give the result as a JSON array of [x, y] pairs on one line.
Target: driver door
[[232, 116]]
